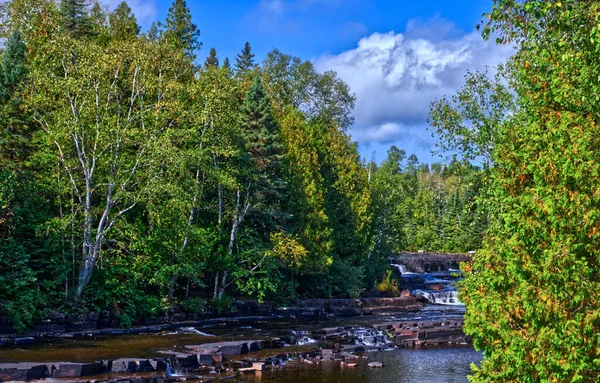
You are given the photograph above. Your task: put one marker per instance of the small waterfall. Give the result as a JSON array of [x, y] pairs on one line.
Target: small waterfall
[[402, 269], [442, 297]]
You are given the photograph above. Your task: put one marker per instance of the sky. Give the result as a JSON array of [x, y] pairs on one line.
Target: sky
[[397, 55]]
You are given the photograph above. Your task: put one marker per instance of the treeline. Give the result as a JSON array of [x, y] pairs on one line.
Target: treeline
[[132, 178], [432, 207]]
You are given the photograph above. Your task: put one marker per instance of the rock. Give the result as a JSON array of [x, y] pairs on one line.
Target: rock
[[72, 370], [205, 359], [21, 374], [375, 364], [234, 349], [258, 366], [405, 293], [131, 365], [327, 353], [24, 340]]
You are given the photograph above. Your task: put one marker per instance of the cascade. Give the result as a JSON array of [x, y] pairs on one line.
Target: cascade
[[442, 297], [402, 269]]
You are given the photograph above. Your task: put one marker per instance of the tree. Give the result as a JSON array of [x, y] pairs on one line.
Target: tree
[[226, 63], [470, 123], [14, 138], [123, 24], [102, 131], [244, 61], [290, 81], [181, 32], [212, 60], [531, 294], [75, 20]]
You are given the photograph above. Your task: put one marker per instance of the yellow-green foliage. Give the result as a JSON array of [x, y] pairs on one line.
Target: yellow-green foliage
[[532, 296], [388, 285]]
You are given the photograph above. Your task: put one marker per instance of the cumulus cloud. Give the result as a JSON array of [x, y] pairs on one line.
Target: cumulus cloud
[[396, 76]]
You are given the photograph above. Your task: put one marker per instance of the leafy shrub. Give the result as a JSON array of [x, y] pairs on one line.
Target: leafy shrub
[[222, 305], [194, 305], [388, 285]]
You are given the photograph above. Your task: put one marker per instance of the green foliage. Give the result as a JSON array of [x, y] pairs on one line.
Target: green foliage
[[471, 121], [195, 305], [74, 17], [416, 208], [222, 305], [132, 179], [181, 32], [531, 294], [244, 61], [123, 24], [212, 60], [388, 284]]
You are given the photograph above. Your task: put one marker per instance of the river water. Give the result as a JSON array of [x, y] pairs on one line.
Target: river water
[[434, 365], [400, 365]]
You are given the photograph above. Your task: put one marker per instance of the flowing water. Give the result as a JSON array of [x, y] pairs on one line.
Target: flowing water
[[435, 365], [427, 365]]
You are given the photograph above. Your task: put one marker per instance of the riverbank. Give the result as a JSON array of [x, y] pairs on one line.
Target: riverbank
[[222, 347]]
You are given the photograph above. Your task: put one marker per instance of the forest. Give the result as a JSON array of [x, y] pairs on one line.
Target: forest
[[135, 175]]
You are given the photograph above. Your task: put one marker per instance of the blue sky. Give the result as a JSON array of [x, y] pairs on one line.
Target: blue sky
[[397, 56]]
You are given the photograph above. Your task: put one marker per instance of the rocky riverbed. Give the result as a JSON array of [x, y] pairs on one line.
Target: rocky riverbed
[[313, 334]]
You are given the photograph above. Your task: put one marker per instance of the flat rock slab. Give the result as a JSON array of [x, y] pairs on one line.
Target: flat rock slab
[[228, 348], [131, 365], [24, 373], [72, 370]]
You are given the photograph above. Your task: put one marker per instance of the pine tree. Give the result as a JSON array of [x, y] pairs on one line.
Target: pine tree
[[99, 25], [123, 24], [13, 127], [244, 62], [212, 61], [263, 144], [261, 129], [226, 63], [180, 31], [75, 20]]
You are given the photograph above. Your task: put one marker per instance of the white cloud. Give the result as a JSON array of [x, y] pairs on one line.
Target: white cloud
[[396, 76], [145, 11]]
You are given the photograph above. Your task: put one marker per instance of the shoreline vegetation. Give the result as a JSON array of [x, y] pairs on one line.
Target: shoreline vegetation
[[136, 176]]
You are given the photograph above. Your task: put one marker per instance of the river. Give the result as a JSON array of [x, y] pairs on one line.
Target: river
[[435, 365]]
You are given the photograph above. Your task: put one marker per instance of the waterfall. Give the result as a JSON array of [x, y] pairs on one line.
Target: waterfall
[[442, 297], [402, 269]]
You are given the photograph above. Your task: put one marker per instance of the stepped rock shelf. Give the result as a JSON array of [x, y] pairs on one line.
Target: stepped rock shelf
[[342, 344], [253, 338]]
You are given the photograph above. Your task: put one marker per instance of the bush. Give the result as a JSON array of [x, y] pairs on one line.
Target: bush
[[388, 285], [195, 305], [222, 305]]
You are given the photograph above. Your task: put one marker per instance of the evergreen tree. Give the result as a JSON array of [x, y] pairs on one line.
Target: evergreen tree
[[263, 144], [180, 31], [13, 139], [261, 130], [123, 24], [75, 20], [212, 61], [99, 25], [244, 62], [226, 63]]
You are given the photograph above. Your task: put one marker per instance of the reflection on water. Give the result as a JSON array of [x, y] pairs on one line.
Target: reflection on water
[[434, 365]]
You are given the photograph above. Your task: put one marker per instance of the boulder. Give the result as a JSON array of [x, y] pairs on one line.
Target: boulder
[[73, 370]]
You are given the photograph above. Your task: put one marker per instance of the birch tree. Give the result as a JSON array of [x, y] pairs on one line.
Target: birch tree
[[102, 109]]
